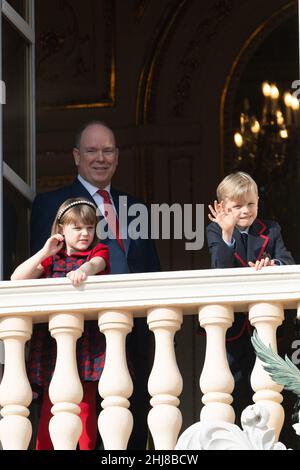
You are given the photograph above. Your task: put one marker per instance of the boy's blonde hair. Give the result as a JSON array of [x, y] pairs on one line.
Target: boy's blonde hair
[[235, 186], [76, 210]]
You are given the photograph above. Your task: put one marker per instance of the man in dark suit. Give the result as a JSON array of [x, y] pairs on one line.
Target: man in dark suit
[[96, 157], [237, 238]]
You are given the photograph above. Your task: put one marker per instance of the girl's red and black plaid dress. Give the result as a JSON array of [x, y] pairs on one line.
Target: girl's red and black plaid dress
[[90, 346]]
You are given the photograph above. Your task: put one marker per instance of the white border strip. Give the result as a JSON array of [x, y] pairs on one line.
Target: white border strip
[[17, 20], [18, 183]]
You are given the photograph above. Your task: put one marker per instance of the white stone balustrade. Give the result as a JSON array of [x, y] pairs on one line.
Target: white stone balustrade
[[65, 390], [165, 381], [216, 381], [214, 295], [115, 385], [15, 391], [266, 317]]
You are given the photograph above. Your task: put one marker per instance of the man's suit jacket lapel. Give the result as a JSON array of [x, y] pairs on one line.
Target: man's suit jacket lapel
[[78, 190]]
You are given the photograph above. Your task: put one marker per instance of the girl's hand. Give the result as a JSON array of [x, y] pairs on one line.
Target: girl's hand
[[77, 277], [259, 264], [54, 244], [223, 217]]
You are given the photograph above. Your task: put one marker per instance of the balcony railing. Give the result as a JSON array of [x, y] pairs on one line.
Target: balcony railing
[[164, 298]]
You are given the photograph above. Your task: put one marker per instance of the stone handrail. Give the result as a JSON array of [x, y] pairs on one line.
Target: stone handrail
[[115, 300]]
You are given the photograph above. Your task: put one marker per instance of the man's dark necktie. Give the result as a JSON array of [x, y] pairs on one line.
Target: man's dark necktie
[[111, 216]]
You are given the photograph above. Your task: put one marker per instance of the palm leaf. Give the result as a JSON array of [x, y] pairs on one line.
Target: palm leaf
[[282, 371]]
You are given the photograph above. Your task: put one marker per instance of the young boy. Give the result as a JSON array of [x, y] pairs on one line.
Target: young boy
[[235, 214], [236, 238]]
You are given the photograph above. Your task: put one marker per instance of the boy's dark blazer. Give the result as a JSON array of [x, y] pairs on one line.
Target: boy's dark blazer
[[264, 239]]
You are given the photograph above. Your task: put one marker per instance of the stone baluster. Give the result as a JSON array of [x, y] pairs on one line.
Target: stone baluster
[[115, 386], [65, 389], [15, 391], [165, 381], [216, 381], [266, 317]]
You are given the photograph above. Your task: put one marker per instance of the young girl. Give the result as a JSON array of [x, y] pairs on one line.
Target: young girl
[[72, 251]]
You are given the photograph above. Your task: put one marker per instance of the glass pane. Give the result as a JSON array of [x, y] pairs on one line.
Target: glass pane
[[16, 118], [15, 228], [20, 6]]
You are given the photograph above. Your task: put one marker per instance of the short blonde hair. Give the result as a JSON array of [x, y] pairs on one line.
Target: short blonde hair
[[236, 186]]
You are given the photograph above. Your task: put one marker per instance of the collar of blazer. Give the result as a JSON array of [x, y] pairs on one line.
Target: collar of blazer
[[257, 243], [78, 189]]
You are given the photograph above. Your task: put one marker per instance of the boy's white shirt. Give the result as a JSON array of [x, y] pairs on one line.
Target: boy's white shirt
[[231, 244]]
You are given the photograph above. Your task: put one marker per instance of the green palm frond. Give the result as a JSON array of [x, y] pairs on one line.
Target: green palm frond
[[282, 371]]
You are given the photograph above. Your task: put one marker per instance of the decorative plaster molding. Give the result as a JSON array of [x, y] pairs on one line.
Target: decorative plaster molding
[[140, 8], [232, 80], [77, 63], [219, 435], [145, 104], [192, 57]]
